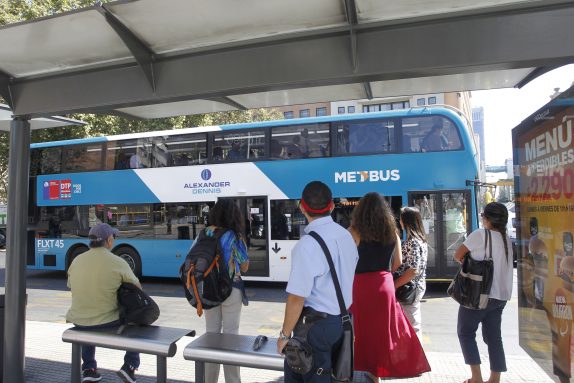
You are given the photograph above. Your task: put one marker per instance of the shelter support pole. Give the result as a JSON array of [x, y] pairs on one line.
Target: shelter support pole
[[16, 247]]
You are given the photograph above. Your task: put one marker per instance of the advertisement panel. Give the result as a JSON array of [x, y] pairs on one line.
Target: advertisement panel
[[544, 186]]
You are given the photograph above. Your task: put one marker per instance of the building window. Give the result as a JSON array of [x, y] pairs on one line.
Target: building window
[[351, 109], [420, 101], [288, 115], [341, 110], [321, 111], [304, 113], [432, 100]]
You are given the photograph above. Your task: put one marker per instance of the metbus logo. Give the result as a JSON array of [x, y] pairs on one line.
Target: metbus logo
[[205, 174], [368, 176]]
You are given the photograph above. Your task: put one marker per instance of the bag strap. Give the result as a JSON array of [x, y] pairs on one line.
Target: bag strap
[[344, 314], [487, 243]]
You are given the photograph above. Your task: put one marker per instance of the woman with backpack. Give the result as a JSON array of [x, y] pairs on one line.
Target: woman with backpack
[[225, 219], [494, 219]]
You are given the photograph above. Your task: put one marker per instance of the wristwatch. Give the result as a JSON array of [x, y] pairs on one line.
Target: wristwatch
[[282, 336]]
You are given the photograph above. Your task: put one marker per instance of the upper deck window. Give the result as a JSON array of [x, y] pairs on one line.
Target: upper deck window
[[129, 154], [363, 137], [430, 134], [300, 141], [180, 150], [238, 145], [45, 161], [81, 158]]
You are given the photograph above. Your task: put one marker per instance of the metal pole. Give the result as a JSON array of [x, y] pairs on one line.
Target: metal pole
[[161, 369], [16, 246], [199, 372], [76, 363]]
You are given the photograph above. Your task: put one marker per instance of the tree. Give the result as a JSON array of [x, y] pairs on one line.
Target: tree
[[12, 11]]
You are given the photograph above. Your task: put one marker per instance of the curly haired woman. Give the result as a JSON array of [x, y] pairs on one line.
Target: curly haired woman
[[386, 345]]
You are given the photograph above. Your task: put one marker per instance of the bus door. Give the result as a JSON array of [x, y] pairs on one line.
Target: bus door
[[447, 221], [254, 210]]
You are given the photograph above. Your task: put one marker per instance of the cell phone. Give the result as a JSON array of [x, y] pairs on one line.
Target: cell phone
[[567, 243], [533, 226]]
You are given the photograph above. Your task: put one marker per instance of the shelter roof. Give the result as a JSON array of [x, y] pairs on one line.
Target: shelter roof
[[151, 58], [35, 123]]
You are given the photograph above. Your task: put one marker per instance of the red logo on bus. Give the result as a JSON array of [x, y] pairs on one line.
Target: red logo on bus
[[54, 189]]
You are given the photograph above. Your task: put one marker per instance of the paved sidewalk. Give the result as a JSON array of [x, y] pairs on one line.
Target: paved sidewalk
[[48, 360]]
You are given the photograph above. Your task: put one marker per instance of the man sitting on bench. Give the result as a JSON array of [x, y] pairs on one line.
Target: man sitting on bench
[[94, 278]]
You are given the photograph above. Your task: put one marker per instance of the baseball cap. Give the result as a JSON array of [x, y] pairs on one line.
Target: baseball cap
[[102, 231]]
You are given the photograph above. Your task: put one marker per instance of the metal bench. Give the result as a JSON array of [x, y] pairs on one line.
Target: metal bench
[[153, 340], [234, 350]]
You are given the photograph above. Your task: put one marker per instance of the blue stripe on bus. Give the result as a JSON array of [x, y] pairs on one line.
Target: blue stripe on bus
[[345, 178], [77, 141]]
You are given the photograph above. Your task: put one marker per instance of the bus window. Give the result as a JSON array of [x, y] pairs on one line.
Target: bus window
[[455, 225], [81, 158], [354, 137], [238, 145], [128, 154], [287, 221], [300, 141], [45, 161], [182, 150], [180, 220], [343, 211], [430, 134], [133, 221]]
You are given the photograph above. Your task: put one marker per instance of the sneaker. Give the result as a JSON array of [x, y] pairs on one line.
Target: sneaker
[[127, 373], [91, 375]]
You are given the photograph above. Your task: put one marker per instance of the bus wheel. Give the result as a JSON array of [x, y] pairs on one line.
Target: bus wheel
[[73, 254], [132, 258]]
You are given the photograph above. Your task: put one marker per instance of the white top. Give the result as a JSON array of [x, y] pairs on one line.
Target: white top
[[503, 268]]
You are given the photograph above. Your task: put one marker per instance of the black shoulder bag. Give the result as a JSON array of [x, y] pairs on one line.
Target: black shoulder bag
[[471, 284], [343, 356]]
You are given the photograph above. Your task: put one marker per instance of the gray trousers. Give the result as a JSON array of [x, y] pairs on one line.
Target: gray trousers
[[224, 319], [413, 314]]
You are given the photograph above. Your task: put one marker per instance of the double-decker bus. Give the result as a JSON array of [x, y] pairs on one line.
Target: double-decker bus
[[157, 187]]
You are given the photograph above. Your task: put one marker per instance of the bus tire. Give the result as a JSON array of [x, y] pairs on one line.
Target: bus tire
[[73, 253], [132, 257]]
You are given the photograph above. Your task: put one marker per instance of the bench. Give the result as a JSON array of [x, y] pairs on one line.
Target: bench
[[153, 340], [234, 350]]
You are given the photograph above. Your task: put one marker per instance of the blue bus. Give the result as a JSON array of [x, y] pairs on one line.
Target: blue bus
[[157, 187]]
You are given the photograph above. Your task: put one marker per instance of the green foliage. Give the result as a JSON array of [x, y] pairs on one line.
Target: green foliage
[[12, 11]]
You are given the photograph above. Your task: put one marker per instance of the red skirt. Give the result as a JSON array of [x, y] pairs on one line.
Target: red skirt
[[386, 345]]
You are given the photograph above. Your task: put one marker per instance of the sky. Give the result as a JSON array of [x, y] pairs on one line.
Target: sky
[[506, 108]]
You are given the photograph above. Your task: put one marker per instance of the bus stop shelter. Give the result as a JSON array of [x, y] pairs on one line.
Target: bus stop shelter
[[151, 58]]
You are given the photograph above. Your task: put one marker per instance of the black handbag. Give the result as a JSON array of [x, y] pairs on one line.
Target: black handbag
[[471, 284], [407, 293], [298, 352], [342, 364]]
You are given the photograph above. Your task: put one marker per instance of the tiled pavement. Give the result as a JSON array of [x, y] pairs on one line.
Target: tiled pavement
[[48, 360]]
